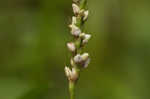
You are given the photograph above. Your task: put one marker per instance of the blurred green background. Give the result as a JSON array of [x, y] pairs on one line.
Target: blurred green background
[[33, 53]]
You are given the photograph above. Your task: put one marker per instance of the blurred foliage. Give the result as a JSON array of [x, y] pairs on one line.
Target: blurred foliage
[[33, 35]]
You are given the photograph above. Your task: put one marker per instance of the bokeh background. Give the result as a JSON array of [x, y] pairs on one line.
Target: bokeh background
[[33, 53]]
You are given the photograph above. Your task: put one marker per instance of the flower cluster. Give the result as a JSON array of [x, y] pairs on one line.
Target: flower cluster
[[79, 60]]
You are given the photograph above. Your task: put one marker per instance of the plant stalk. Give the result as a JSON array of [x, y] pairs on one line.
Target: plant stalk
[[79, 60], [79, 24], [72, 89]]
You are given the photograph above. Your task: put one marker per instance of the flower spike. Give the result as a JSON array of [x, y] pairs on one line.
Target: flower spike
[[79, 60]]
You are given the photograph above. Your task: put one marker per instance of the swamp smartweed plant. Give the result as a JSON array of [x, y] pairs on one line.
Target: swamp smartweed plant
[[79, 59]]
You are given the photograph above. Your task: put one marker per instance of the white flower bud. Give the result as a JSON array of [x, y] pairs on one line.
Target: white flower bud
[[71, 47], [85, 56], [78, 58], [74, 20], [75, 30], [83, 60], [86, 38], [67, 71], [71, 74], [76, 8], [86, 14]]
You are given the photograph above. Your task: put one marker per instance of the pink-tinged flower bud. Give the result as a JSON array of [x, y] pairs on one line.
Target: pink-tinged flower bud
[[78, 58], [82, 60], [71, 47], [86, 38], [76, 8], [86, 14], [75, 30], [85, 60]]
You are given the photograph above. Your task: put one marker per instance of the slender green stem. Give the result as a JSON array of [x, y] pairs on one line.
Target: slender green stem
[[71, 89]]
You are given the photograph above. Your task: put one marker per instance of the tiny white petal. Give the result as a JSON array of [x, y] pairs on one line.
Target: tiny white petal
[[86, 13], [67, 71], [86, 38], [71, 46], [76, 8], [74, 20], [85, 56]]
